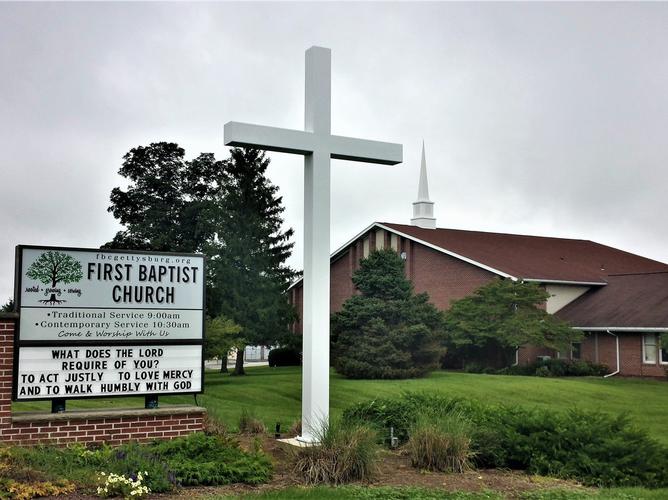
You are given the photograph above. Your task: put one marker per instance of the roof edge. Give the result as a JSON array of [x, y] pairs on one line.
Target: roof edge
[[338, 250], [447, 252], [566, 282]]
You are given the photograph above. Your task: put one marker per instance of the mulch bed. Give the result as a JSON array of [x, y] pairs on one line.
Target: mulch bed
[[395, 470]]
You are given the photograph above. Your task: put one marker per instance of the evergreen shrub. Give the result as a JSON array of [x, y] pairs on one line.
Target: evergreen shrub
[[592, 447], [284, 356], [556, 368], [386, 332]]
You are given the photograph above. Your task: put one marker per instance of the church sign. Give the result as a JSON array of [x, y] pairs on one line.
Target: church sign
[[101, 323]]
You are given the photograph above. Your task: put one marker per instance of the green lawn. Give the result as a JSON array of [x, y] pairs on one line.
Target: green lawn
[[274, 394]]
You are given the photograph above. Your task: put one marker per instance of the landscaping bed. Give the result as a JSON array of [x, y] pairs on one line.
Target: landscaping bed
[[514, 431]]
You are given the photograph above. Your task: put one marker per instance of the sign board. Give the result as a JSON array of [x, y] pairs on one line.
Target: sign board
[[100, 323]]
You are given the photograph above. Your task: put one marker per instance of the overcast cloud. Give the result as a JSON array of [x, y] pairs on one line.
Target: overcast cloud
[[545, 119]]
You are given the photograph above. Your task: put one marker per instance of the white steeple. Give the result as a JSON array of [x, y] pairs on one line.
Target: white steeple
[[423, 209]]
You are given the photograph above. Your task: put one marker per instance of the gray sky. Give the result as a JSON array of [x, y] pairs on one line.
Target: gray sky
[[545, 119]]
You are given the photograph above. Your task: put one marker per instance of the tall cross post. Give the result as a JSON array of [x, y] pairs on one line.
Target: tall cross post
[[317, 144]]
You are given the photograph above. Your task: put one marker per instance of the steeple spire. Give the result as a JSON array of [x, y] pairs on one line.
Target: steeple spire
[[423, 186], [423, 209]]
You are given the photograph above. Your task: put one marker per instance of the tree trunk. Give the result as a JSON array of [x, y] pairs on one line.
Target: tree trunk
[[239, 363], [53, 298], [223, 365]]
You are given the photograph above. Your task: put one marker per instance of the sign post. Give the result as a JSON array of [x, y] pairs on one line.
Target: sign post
[[106, 323]]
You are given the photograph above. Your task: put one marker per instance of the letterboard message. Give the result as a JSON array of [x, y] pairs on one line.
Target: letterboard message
[[74, 372], [106, 323]]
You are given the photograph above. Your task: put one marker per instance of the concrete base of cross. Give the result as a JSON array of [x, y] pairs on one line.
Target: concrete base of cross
[[297, 443]]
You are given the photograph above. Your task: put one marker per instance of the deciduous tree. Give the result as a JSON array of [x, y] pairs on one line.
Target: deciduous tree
[[170, 203], [501, 316], [221, 336], [226, 209]]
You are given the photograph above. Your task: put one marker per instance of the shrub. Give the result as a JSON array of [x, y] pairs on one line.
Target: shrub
[[474, 367], [440, 443], [211, 460], [543, 371], [387, 332], [400, 413], [343, 455], [23, 491], [594, 448], [198, 459], [557, 368], [250, 424], [284, 356]]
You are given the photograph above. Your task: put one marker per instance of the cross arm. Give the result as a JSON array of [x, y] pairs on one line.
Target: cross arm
[[348, 148], [282, 140]]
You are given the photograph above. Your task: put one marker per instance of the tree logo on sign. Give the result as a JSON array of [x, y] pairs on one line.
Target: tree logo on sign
[[52, 268]]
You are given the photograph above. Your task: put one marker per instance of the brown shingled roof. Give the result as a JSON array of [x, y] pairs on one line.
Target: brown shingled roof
[[535, 257], [627, 301]]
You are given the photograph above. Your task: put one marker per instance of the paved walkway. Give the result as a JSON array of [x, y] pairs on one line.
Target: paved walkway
[[214, 364]]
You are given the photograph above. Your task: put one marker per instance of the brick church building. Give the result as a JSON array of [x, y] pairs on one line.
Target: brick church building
[[618, 299]]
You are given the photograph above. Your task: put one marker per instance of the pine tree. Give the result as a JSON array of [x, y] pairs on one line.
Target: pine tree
[[247, 266], [388, 331]]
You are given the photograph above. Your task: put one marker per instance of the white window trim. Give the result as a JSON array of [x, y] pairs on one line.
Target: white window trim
[[660, 355], [658, 351]]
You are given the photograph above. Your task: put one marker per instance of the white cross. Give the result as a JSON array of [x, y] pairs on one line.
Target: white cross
[[317, 145]]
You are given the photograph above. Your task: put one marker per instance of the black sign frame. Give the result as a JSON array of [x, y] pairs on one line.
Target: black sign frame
[[18, 281]]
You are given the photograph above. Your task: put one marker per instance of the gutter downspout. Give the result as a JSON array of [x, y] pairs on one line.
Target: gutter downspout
[[617, 345]]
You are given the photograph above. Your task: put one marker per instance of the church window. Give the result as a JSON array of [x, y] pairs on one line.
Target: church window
[[649, 351], [380, 239], [394, 241]]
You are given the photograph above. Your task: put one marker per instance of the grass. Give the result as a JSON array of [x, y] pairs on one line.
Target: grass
[[274, 394], [441, 443], [412, 493]]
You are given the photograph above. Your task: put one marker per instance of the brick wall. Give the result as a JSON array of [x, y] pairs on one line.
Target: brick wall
[[601, 347], [108, 426], [341, 284], [443, 277]]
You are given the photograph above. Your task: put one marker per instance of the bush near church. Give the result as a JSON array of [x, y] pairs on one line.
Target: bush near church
[[557, 368], [592, 447], [386, 332], [284, 356]]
